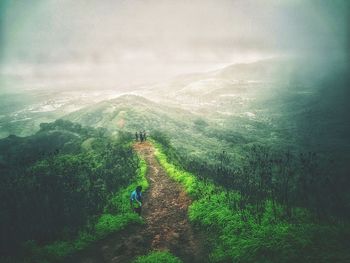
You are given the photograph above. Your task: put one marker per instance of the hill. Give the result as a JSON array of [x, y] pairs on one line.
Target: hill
[[58, 180]]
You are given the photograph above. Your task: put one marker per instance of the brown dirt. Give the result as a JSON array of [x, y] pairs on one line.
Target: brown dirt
[[167, 226]]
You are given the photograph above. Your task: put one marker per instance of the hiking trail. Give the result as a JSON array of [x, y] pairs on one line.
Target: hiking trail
[[166, 227]]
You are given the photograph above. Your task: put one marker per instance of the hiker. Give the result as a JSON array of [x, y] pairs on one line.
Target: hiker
[[144, 135], [136, 136], [141, 136], [135, 200]]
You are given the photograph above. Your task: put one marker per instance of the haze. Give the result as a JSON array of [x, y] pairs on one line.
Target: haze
[[115, 44]]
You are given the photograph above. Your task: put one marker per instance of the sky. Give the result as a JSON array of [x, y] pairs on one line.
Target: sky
[[129, 42]]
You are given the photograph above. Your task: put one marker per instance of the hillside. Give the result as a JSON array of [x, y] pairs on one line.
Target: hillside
[[218, 109], [275, 147], [57, 181], [166, 225], [130, 113], [270, 102]]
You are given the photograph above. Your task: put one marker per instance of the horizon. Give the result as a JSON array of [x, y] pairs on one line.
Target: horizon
[[117, 44]]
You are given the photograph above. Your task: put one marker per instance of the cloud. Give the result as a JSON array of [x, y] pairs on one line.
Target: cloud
[[158, 33]]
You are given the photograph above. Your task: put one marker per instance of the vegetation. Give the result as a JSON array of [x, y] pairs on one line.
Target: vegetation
[[158, 257], [265, 162], [67, 194], [245, 234]]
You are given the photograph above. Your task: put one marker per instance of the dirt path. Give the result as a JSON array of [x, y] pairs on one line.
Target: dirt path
[[167, 226]]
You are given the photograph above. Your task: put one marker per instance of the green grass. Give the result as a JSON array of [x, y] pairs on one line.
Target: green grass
[[158, 257], [117, 215], [238, 237]]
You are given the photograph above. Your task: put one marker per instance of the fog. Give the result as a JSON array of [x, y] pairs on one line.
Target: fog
[[56, 44]]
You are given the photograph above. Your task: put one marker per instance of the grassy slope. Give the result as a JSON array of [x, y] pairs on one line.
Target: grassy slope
[[158, 257], [192, 134], [107, 223], [240, 238]]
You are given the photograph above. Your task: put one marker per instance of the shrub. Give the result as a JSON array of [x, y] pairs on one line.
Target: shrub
[[239, 235], [117, 216], [158, 257]]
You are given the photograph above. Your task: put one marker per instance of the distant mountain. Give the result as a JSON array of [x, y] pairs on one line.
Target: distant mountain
[[130, 113], [233, 90], [231, 104], [263, 101], [21, 112], [269, 70], [191, 132]]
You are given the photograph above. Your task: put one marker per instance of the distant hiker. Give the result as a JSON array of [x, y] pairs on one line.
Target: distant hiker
[[144, 135], [141, 136], [136, 136], [135, 200]]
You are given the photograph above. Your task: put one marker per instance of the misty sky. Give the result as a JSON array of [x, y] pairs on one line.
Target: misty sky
[[134, 41]]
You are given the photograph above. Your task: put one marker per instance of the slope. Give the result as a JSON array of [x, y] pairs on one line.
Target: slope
[[167, 226]]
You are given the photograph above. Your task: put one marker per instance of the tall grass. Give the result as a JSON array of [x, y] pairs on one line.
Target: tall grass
[[240, 237], [157, 257], [117, 215]]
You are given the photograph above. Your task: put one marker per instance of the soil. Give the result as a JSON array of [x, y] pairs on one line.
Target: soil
[[167, 227]]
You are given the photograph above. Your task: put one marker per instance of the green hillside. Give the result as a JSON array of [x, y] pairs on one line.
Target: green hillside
[[265, 164], [57, 185]]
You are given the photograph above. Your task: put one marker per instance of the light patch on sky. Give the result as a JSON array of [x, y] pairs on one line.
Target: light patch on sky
[[121, 43]]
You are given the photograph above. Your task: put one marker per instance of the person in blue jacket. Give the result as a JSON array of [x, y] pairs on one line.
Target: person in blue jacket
[[136, 200]]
